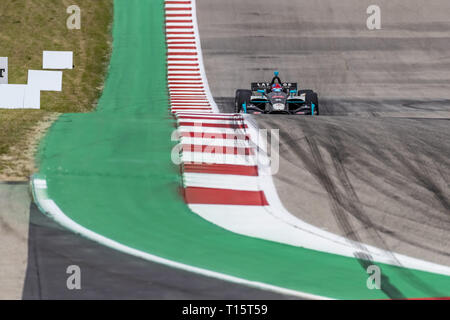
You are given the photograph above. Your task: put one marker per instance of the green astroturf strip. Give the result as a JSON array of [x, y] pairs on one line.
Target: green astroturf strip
[[110, 171]]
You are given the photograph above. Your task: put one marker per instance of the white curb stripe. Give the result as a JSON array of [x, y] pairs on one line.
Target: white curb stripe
[[221, 181]]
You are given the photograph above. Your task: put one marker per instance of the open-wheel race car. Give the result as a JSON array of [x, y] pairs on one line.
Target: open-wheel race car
[[276, 97]]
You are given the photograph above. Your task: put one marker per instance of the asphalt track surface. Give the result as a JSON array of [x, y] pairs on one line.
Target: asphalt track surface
[[109, 274], [375, 166]]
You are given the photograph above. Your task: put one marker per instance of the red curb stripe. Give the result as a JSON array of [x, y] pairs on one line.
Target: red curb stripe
[[180, 89], [184, 89], [181, 105], [182, 42], [173, 15], [184, 109], [214, 125], [180, 59], [181, 53], [245, 151], [176, 96], [194, 83], [184, 79], [182, 67], [222, 169], [215, 135], [177, 2], [187, 107], [179, 9], [181, 94], [191, 96], [195, 92], [180, 38], [178, 21], [190, 103], [184, 82], [170, 47], [197, 83], [171, 64], [179, 27], [174, 111], [208, 118], [184, 74], [180, 32], [198, 195], [183, 97], [190, 108]]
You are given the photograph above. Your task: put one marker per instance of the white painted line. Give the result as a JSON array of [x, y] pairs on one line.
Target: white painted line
[[199, 122], [209, 130], [221, 181], [216, 142], [50, 208]]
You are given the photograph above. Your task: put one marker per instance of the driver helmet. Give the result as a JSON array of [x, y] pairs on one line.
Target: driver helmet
[[276, 87]]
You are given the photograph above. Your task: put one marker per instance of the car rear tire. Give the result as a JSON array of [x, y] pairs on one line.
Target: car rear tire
[[300, 92], [242, 96], [311, 97]]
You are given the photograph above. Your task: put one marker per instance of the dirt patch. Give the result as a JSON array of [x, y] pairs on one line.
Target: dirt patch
[[19, 163]]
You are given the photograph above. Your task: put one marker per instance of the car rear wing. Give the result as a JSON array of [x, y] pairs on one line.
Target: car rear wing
[[266, 85]]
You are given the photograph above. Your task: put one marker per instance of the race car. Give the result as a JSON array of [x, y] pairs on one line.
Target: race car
[[276, 97]]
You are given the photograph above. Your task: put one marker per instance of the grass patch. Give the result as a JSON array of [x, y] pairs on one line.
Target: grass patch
[[28, 27]]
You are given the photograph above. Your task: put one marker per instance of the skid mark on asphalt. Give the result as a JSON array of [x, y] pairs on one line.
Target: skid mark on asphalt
[[344, 200]]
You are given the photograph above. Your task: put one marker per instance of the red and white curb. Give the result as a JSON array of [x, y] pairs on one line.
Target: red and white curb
[[227, 179]]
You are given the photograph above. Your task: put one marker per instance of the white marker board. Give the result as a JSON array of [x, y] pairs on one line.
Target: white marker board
[[57, 60], [19, 96], [32, 99], [45, 80], [12, 96]]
